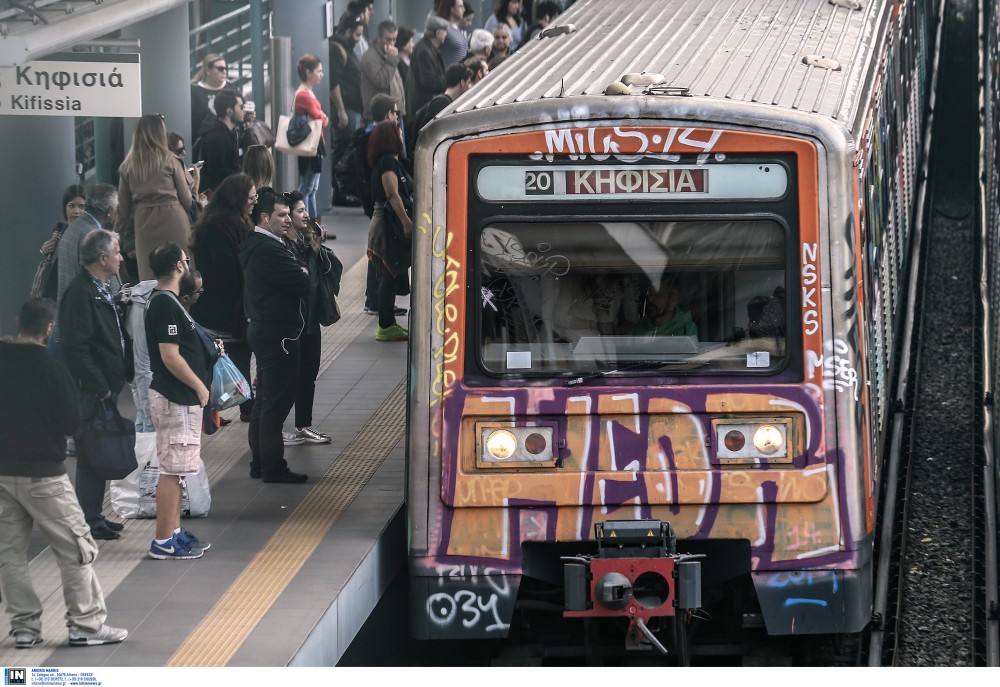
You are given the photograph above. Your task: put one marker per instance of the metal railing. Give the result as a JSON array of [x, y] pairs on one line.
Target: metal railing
[[231, 36]]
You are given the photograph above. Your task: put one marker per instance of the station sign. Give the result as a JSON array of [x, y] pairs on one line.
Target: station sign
[[73, 85], [755, 181]]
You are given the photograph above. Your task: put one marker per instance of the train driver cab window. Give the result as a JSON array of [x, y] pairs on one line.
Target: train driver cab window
[[673, 297]]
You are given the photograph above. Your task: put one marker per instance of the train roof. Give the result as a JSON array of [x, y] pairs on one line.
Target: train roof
[[812, 56]]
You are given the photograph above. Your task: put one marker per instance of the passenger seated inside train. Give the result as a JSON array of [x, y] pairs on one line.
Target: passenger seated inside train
[[664, 315]]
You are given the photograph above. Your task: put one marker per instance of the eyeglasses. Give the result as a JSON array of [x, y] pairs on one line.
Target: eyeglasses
[[219, 67], [199, 291], [181, 150], [253, 198], [186, 261], [394, 111]]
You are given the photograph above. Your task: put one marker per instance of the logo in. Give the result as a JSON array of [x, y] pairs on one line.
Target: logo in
[[15, 676], [171, 330]]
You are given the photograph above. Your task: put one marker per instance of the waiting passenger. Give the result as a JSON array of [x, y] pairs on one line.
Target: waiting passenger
[[38, 408], [664, 315]]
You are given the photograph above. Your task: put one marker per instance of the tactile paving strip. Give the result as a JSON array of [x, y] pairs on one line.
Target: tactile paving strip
[[221, 633]]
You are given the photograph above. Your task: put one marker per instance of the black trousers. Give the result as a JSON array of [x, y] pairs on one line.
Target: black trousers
[[277, 380], [309, 353]]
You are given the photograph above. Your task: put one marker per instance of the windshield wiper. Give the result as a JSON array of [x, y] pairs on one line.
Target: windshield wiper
[[631, 367]]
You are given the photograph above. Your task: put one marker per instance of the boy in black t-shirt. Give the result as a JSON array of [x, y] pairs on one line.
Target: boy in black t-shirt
[[182, 373]]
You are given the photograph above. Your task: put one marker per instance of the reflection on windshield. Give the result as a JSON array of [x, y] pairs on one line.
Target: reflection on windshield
[[605, 296]]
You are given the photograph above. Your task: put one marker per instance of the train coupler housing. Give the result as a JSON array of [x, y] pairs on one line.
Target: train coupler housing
[[636, 573]]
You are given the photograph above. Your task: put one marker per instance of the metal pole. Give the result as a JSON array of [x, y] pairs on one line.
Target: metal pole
[[257, 52]]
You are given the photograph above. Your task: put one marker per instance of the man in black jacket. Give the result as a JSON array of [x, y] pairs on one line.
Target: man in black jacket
[[218, 140], [96, 350], [426, 76], [38, 408], [275, 285]]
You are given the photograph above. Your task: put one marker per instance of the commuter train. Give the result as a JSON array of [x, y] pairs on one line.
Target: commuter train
[[659, 280], [987, 378]]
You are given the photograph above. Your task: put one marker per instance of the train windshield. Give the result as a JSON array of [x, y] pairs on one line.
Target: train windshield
[[668, 297]]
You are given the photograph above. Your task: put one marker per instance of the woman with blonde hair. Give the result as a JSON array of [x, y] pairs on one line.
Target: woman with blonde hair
[[154, 193], [208, 81], [258, 164]]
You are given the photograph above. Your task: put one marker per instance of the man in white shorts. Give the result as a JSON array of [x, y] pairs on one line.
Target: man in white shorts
[[182, 373]]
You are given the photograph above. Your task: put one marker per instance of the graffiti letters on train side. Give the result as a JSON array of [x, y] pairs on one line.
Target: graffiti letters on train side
[[446, 316], [839, 371], [599, 145], [473, 607], [810, 288]]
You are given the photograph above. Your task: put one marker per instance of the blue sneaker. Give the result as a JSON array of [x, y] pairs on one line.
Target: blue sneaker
[[187, 539], [173, 550]]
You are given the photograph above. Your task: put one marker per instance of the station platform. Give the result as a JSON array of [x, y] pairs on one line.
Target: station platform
[[293, 570]]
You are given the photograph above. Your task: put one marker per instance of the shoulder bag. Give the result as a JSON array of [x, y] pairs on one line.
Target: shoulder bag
[[42, 285], [298, 135], [331, 270], [105, 442]]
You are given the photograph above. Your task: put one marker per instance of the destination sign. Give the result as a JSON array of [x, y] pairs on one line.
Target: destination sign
[[651, 182]]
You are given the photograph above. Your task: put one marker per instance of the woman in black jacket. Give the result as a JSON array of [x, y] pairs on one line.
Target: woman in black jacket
[[220, 232], [304, 241]]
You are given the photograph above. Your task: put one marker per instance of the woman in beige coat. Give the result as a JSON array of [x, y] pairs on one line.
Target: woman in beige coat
[[154, 193]]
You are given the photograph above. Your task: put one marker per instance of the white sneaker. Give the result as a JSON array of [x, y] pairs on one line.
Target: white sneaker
[[311, 436], [23, 639], [292, 438], [106, 635]]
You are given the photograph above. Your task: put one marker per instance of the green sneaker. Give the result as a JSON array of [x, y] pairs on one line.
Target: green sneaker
[[393, 333]]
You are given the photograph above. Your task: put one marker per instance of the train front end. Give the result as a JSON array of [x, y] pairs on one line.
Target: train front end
[[623, 324]]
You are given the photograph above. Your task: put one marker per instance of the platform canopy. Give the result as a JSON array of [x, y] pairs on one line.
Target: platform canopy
[[30, 29]]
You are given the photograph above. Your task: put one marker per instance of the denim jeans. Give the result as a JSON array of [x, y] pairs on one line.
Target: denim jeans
[[308, 186]]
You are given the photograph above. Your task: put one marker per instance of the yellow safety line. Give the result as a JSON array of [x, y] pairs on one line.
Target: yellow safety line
[[234, 616]]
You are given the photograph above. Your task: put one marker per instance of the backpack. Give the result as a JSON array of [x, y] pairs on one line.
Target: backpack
[[346, 173], [362, 170], [420, 119]]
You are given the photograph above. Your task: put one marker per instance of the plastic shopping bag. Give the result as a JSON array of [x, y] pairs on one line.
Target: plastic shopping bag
[[229, 386], [134, 496]]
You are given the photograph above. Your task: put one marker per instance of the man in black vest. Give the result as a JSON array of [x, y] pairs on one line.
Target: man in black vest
[[275, 285]]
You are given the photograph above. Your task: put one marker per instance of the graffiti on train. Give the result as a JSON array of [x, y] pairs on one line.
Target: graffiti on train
[[839, 371], [628, 144], [480, 604]]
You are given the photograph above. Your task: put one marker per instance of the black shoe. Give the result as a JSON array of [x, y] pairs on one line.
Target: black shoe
[[399, 312], [223, 422], [254, 472], [113, 526], [286, 477], [244, 417], [103, 532]]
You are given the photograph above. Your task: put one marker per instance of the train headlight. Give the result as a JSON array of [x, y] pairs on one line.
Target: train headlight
[[501, 444], [507, 444], [768, 440], [749, 441]]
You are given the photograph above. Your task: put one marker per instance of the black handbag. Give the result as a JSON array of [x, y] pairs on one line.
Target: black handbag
[[331, 270], [105, 442]]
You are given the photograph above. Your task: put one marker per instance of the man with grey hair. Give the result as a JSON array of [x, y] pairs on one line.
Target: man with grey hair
[[426, 76], [96, 351], [99, 212]]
